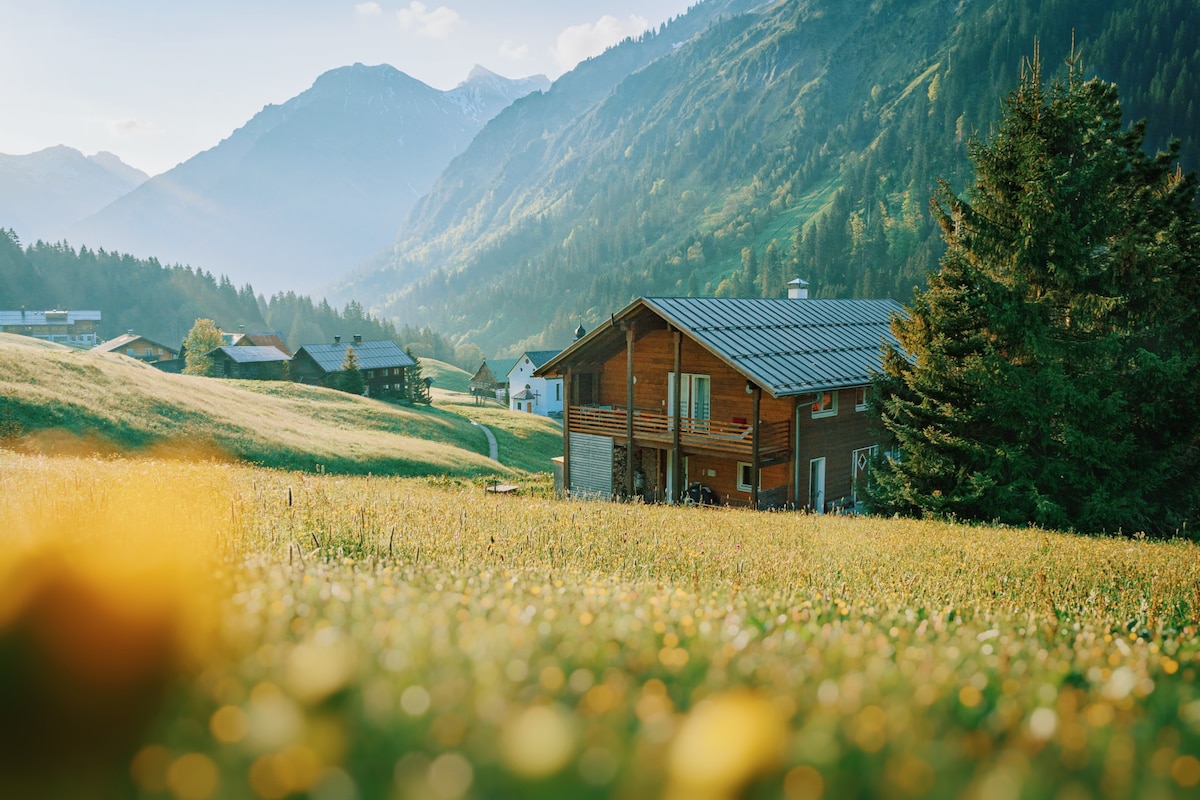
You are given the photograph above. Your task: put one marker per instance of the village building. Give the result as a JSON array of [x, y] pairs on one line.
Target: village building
[[756, 402], [534, 394], [72, 328], [490, 381], [258, 339], [383, 363], [250, 363], [139, 347]]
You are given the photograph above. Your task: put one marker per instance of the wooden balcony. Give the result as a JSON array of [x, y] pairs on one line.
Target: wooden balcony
[[695, 435]]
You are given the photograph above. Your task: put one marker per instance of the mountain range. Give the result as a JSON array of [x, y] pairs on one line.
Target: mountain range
[[746, 143], [732, 148], [308, 189], [42, 193]]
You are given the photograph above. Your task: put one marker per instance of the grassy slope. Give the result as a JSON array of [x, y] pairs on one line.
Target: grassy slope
[[53, 397], [445, 376], [525, 441]]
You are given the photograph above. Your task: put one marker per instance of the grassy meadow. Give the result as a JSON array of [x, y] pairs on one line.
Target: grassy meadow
[[54, 399], [526, 441], [257, 633]]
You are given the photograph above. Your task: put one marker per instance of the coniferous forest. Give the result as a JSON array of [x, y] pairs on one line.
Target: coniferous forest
[[162, 302], [802, 139]]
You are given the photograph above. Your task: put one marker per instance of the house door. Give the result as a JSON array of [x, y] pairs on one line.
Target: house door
[[860, 470], [676, 488], [816, 485], [695, 399]]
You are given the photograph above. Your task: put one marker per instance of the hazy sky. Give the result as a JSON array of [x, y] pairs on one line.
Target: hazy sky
[[157, 81]]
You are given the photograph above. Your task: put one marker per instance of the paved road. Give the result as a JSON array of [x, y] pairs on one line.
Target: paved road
[[493, 448]]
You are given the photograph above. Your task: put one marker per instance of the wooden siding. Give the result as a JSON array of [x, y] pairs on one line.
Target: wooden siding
[[834, 439], [731, 408]]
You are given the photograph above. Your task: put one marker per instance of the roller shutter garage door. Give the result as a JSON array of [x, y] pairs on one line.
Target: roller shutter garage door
[[591, 465]]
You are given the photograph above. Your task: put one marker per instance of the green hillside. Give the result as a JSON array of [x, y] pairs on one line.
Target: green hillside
[[807, 134], [56, 399], [445, 376]]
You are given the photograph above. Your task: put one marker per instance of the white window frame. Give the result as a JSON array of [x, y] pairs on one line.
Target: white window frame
[[816, 485], [861, 404], [818, 407], [742, 485]]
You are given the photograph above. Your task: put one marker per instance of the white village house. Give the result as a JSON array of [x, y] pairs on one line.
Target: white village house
[[534, 395]]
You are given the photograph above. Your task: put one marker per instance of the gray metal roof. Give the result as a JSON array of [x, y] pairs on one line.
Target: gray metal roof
[[251, 355], [382, 354], [39, 317], [500, 367], [538, 357], [787, 346]]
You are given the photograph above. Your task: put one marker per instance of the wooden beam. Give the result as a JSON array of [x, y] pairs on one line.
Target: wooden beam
[[756, 456], [676, 457], [629, 336], [568, 385]]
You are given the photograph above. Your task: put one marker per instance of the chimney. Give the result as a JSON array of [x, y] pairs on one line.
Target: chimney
[[358, 338], [337, 340], [797, 289]]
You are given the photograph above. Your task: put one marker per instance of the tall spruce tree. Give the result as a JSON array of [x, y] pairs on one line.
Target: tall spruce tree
[[1045, 372], [351, 378]]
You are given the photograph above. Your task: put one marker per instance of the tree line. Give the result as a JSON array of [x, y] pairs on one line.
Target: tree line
[[162, 302]]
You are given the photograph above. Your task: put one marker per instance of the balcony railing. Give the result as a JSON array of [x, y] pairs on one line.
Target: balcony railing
[[731, 438]]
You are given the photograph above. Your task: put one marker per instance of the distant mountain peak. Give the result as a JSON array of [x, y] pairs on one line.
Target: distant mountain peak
[[479, 72]]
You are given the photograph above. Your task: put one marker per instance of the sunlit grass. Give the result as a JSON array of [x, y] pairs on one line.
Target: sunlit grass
[[53, 399], [379, 637], [526, 441]]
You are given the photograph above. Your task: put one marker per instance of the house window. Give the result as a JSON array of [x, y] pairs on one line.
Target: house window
[[558, 391], [824, 405], [745, 477], [860, 398]]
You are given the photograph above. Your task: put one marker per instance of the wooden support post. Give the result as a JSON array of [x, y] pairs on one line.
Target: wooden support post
[[676, 459], [755, 456], [629, 331], [567, 394]]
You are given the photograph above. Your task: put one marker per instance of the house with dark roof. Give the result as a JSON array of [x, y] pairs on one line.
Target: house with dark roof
[[250, 363], [534, 394], [139, 347], [491, 379], [258, 339], [383, 363], [755, 402]]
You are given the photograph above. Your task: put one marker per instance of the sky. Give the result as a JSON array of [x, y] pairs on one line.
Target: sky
[[158, 81]]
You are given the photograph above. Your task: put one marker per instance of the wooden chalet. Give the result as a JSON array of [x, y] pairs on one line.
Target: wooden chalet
[[491, 379], [139, 347], [383, 363], [758, 401], [250, 363], [258, 339]]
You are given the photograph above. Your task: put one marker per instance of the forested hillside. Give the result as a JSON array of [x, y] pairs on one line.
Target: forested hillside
[[162, 302], [803, 138]]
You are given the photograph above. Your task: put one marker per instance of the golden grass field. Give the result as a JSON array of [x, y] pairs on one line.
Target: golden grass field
[[212, 630], [53, 399]]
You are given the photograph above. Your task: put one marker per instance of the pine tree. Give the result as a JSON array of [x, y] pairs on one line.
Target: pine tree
[[1045, 372], [416, 388], [351, 378]]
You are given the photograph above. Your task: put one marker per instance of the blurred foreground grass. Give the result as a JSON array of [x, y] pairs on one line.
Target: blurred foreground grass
[[272, 634]]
